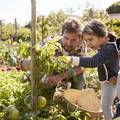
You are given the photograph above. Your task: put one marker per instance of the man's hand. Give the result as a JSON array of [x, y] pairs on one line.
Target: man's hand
[[25, 64], [53, 80], [78, 70]]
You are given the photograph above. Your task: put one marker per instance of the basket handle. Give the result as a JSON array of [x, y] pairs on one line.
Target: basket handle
[[68, 104]]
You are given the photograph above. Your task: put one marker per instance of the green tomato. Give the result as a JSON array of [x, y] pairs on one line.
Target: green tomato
[[13, 113], [42, 101]]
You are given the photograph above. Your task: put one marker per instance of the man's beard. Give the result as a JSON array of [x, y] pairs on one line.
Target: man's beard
[[69, 49]]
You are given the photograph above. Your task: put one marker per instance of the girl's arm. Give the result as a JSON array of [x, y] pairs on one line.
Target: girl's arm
[[104, 55]]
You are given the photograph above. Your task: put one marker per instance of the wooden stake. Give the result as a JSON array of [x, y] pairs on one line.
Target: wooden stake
[[34, 75], [15, 35]]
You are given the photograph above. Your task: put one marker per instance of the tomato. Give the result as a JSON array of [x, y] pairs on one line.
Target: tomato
[[41, 102], [13, 113]]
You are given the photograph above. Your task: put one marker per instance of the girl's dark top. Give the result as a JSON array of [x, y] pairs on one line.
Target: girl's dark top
[[106, 60]]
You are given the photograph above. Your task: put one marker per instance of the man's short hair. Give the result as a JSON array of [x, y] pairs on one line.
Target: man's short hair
[[71, 25]]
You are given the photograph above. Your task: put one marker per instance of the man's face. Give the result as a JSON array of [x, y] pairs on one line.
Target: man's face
[[70, 41], [93, 41]]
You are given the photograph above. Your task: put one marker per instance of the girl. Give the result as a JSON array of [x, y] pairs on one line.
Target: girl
[[106, 60]]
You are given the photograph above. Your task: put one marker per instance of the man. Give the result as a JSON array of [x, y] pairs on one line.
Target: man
[[71, 45]]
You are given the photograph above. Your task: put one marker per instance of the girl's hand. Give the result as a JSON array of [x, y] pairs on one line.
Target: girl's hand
[[112, 80]]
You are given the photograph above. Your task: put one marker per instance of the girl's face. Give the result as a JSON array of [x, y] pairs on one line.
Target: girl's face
[[93, 41]]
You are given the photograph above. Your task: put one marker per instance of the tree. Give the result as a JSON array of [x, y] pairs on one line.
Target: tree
[[50, 25], [55, 22], [114, 25], [42, 26], [114, 8], [7, 31], [96, 14], [24, 34]]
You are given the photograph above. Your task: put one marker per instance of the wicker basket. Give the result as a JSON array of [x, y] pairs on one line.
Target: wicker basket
[[86, 100]]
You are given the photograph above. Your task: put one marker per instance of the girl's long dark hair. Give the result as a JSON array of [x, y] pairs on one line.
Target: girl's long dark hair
[[118, 43], [97, 28], [113, 38]]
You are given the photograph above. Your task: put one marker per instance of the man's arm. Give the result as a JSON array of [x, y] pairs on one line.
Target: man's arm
[[53, 80]]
